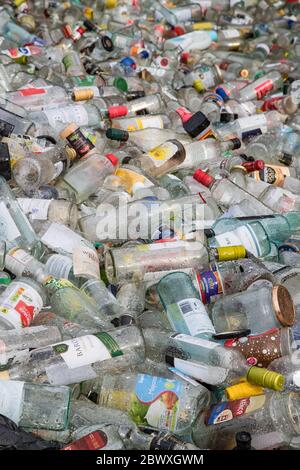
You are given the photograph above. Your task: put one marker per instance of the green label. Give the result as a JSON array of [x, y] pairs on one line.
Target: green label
[[84, 81], [109, 342]]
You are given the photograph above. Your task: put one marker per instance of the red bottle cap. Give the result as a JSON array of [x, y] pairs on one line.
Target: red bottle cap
[[112, 158], [185, 57], [179, 30], [184, 114], [203, 178], [117, 111], [257, 165]]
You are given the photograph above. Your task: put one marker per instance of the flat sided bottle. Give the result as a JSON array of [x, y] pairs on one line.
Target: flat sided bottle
[[185, 310], [15, 229], [35, 405], [272, 418], [81, 358], [156, 402]]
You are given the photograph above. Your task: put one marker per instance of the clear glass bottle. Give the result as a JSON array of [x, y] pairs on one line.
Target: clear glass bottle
[[184, 309], [81, 358], [148, 439], [274, 307]]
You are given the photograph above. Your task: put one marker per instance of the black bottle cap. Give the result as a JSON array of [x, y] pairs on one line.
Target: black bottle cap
[[117, 134], [107, 43], [247, 158], [243, 441], [89, 25], [232, 334], [170, 360], [133, 95], [286, 159], [197, 123], [5, 167], [227, 117], [209, 233], [236, 143], [126, 320]]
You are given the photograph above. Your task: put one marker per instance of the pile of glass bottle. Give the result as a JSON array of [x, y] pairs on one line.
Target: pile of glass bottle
[[150, 222]]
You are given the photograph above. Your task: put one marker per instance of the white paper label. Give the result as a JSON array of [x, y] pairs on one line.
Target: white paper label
[[73, 113], [20, 255], [202, 372], [83, 351], [161, 154], [254, 122], [3, 356], [59, 266], [230, 33], [36, 208], [19, 304], [60, 237], [241, 236], [137, 123], [182, 373], [11, 398], [86, 262], [8, 229], [195, 316]]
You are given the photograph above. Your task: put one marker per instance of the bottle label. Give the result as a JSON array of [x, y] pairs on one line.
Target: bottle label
[[156, 402], [60, 237], [259, 350], [11, 399], [264, 88], [67, 114], [8, 228], [87, 349], [21, 256], [80, 143], [194, 315], [86, 262], [58, 283], [231, 33], [94, 441], [272, 174], [33, 91], [210, 284], [85, 81], [244, 235], [229, 410], [19, 304], [59, 266], [135, 124], [201, 372], [36, 208], [192, 348], [131, 179], [161, 154]]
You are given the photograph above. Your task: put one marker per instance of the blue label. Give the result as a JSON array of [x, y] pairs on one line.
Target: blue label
[[150, 388]]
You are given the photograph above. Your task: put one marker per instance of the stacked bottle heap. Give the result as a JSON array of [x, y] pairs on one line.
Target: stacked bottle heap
[[149, 224]]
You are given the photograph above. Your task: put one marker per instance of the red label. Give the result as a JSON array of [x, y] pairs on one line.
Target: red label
[[93, 441], [264, 88], [26, 312], [228, 410], [32, 91]]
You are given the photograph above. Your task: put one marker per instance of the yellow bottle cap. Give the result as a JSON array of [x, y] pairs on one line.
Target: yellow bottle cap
[[4, 375], [243, 390], [202, 25], [21, 60], [71, 153], [89, 13], [266, 378], [110, 3], [82, 95], [244, 73], [228, 253], [198, 85], [17, 3]]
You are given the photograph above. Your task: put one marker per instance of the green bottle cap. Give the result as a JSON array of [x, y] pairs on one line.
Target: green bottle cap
[[266, 378], [5, 280], [117, 134], [121, 84]]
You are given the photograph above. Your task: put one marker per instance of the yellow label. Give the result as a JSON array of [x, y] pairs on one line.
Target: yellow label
[[130, 178], [203, 25], [159, 153]]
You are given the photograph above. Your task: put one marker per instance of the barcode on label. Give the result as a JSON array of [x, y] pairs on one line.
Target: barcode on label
[[185, 307]]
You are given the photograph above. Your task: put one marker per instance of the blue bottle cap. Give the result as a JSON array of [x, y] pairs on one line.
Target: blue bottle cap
[[128, 62], [220, 91]]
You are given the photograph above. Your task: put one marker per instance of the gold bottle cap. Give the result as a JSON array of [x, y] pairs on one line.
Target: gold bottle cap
[[239, 167], [243, 390], [228, 253], [4, 375], [82, 95], [71, 153], [110, 3], [68, 130], [266, 378], [283, 305], [244, 73]]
